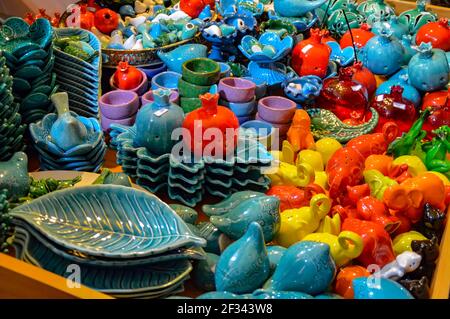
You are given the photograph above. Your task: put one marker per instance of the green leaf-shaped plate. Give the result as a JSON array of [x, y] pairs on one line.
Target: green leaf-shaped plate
[[109, 221]]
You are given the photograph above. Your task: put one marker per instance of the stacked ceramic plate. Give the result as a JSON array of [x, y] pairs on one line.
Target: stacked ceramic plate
[[11, 131], [80, 79], [126, 242], [29, 56], [87, 157]]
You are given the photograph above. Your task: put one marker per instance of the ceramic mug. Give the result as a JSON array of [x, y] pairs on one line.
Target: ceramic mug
[[119, 104]]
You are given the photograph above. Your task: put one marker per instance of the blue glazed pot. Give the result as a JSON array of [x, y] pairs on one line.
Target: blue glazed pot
[[14, 176], [379, 288], [264, 209], [305, 267], [155, 123], [374, 54], [241, 109], [409, 92], [244, 266], [428, 70], [175, 58]]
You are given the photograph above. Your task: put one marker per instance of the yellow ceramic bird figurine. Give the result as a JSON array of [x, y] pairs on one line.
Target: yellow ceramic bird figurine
[[343, 248], [299, 222]]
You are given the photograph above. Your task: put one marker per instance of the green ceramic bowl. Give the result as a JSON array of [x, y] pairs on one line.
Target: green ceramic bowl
[[201, 71], [189, 104], [187, 89]]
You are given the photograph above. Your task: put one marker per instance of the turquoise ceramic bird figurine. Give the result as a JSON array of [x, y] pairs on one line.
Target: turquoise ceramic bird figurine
[[296, 8], [67, 131], [116, 41], [14, 176], [174, 59], [244, 266], [189, 30], [263, 209], [229, 203], [187, 214]]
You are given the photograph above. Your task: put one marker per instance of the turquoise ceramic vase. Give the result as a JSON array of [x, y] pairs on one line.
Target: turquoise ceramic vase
[[244, 266], [155, 123], [305, 267]]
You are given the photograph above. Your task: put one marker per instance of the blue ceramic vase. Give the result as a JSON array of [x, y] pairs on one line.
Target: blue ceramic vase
[[379, 288], [264, 210], [155, 123], [305, 267], [374, 54], [14, 176], [244, 266], [428, 70]]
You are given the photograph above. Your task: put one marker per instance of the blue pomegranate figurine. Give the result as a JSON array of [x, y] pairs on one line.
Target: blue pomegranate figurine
[[428, 70]]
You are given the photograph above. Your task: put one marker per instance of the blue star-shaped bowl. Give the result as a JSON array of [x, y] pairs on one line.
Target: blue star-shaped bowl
[[344, 56], [282, 47]]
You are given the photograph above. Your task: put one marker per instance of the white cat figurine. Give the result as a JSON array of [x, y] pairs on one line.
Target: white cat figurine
[[407, 261]]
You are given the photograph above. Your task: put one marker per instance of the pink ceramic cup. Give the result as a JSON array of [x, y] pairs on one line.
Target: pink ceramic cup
[[140, 90], [282, 128], [276, 109], [106, 122], [119, 104], [236, 90], [148, 97]]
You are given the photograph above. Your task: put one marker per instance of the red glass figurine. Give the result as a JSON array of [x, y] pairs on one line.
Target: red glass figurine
[[364, 76]]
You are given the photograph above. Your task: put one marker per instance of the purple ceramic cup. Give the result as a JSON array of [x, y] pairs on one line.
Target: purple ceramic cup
[[140, 90], [282, 128], [148, 97], [106, 122], [119, 104], [236, 90], [276, 109]]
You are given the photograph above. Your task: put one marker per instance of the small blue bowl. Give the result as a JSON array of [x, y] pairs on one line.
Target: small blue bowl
[[261, 131], [154, 70], [241, 109], [225, 70], [261, 87], [166, 80]]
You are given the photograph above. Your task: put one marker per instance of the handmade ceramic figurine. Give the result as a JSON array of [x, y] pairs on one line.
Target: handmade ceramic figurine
[[373, 209], [299, 175], [377, 182], [203, 274], [398, 29], [438, 33], [244, 265], [67, 131], [194, 7], [375, 9], [428, 70], [311, 56], [377, 242], [417, 17], [327, 146], [433, 222], [305, 267], [403, 241], [215, 116], [189, 215], [429, 250], [419, 288], [155, 123], [289, 8], [294, 197], [299, 133], [330, 225], [303, 90], [174, 59], [406, 262], [343, 248], [299, 222], [337, 22], [343, 284], [109, 178], [275, 253], [373, 54], [229, 203], [360, 37], [14, 176], [213, 237], [401, 78], [379, 288], [262, 209], [127, 77]]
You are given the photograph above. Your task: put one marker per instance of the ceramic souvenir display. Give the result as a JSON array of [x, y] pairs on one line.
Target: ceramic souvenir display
[[148, 97], [337, 24], [399, 29], [417, 17], [244, 266], [165, 80], [79, 78], [360, 37], [404, 263], [409, 93], [129, 78], [375, 10], [277, 111], [175, 58], [29, 56], [301, 14], [222, 38], [15, 178]]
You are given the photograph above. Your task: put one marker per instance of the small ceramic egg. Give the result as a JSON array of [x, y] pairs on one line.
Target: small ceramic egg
[[213, 30]]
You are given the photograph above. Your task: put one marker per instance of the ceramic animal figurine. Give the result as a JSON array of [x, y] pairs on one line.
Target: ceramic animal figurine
[[108, 177], [262, 209], [175, 58], [244, 266], [203, 274], [299, 133], [373, 209], [379, 288], [433, 222], [275, 253], [419, 288], [343, 283], [294, 197], [403, 241], [229, 203], [343, 248], [406, 262], [67, 131], [305, 267], [299, 175], [429, 250], [116, 41], [189, 215], [127, 11], [299, 222], [14, 176], [289, 8], [155, 123], [212, 235], [330, 225], [377, 182]]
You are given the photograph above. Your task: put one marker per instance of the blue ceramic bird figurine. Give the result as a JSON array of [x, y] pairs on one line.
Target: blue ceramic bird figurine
[[244, 266], [296, 8], [127, 11], [174, 59], [229, 203]]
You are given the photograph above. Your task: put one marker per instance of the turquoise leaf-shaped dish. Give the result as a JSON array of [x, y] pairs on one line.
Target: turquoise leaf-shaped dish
[[108, 221]]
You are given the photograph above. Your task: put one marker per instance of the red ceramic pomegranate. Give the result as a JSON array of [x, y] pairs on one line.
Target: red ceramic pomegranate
[[438, 33], [360, 35], [440, 110], [86, 18], [311, 56], [365, 77], [327, 37], [393, 107], [127, 77], [204, 125], [194, 7], [344, 97], [106, 21]]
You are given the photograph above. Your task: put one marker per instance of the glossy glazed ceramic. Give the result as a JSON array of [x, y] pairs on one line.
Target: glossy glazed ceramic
[[119, 104], [201, 71], [368, 288], [174, 59], [236, 90], [148, 97], [276, 109], [166, 80], [14, 174]]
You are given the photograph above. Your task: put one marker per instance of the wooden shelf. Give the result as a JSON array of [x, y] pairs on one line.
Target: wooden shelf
[[401, 5]]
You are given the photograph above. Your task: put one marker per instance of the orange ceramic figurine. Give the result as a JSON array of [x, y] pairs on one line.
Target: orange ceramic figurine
[[299, 134], [343, 285], [383, 164], [373, 209], [294, 197], [411, 195]]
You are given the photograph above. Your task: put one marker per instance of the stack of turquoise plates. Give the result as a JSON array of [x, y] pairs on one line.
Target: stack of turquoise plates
[[122, 241], [152, 170], [80, 79], [11, 131], [29, 56]]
